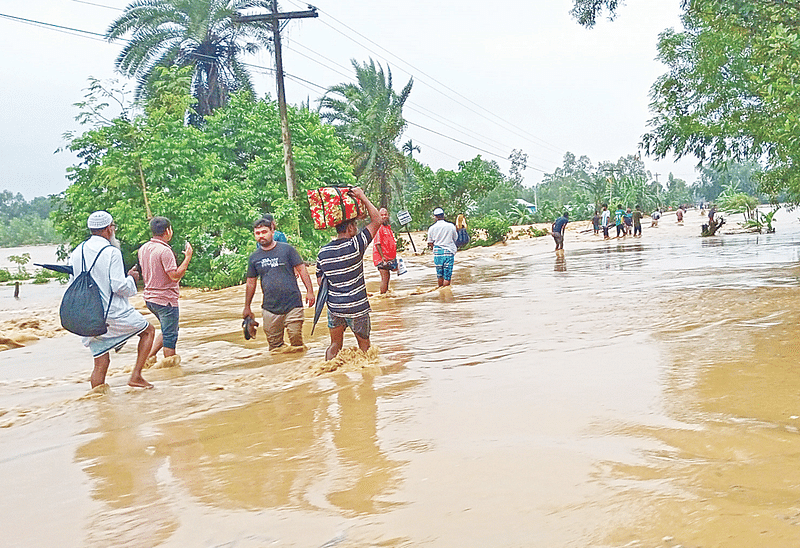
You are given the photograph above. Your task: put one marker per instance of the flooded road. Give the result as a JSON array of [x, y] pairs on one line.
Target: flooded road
[[630, 393]]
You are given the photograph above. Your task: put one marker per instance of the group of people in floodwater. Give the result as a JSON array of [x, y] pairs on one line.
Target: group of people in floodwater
[[278, 266]]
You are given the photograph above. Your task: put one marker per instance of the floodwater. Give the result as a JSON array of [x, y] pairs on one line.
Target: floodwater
[[629, 393]]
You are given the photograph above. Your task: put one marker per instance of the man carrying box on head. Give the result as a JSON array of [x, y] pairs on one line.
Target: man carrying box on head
[[277, 265], [342, 262]]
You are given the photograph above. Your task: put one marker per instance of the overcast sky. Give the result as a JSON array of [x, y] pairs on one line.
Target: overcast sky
[[488, 77]]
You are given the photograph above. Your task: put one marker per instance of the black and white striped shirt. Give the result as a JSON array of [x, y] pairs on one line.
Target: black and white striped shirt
[[342, 262]]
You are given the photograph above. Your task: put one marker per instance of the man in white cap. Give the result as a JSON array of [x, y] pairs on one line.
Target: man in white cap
[[123, 320], [442, 240]]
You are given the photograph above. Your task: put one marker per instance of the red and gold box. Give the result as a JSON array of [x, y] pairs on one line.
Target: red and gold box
[[333, 205]]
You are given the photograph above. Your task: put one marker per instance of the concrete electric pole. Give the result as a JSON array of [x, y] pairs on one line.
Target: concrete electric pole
[[274, 20]]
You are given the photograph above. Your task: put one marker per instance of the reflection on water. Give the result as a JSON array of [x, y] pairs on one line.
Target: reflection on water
[[648, 392]]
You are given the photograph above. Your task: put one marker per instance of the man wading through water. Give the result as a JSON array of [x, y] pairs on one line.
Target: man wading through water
[[342, 262], [277, 265], [123, 320], [384, 250]]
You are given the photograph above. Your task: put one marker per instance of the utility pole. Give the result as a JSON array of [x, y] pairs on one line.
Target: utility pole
[[611, 180], [274, 20], [658, 189]]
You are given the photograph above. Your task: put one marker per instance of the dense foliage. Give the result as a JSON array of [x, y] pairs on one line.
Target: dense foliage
[[581, 188], [732, 88], [211, 182]]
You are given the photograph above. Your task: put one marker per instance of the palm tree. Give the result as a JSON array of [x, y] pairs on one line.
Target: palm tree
[[409, 148], [368, 115], [200, 33]]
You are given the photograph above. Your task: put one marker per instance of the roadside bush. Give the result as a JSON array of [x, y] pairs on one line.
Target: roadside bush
[[494, 226]]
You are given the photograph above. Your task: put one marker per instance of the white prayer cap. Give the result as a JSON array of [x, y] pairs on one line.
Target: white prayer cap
[[99, 219]]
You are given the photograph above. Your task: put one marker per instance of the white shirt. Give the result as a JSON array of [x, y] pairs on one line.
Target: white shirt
[[109, 274], [443, 234], [606, 218]]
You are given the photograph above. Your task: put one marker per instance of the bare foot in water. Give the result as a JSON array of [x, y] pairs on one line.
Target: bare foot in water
[[139, 382]]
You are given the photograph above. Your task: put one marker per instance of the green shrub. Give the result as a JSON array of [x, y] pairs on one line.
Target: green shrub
[[494, 225], [41, 277], [5, 275]]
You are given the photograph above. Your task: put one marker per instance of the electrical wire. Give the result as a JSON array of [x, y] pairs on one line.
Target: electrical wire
[[541, 142], [93, 35]]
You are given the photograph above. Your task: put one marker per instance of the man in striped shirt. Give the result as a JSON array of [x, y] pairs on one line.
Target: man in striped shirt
[[342, 262]]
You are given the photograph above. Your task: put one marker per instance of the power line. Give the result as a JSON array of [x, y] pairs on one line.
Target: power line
[[542, 142], [60, 28], [411, 105], [98, 5], [92, 35]]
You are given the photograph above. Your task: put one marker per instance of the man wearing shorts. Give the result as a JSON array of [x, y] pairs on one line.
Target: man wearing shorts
[[558, 228], [384, 250], [278, 265], [442, 240], [161, 275], [123, 321], [341, 262]]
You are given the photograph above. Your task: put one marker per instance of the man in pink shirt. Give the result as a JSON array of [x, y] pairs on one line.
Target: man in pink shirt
[[161, 275], [384, 250]]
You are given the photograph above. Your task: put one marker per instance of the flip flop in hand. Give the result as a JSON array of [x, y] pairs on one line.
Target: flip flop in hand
[[249, 326]]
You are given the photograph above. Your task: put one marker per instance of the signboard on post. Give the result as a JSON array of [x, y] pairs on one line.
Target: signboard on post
[[404, 217]]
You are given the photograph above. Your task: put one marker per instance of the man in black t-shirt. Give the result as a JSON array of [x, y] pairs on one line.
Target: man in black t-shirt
[[277, 265]]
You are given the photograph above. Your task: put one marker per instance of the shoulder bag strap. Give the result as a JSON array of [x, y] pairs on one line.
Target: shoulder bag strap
[[110, 289]]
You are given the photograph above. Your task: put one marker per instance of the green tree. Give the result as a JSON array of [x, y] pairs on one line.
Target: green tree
[[714, 179], [212, 182], [588, 11], [467, 190], [197, 33], [732, 90], [368, 115]]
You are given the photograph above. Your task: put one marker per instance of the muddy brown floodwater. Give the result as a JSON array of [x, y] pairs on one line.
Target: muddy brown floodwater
[[639, 393]]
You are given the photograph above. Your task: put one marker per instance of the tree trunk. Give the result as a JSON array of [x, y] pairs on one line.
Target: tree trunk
[[144, 190]]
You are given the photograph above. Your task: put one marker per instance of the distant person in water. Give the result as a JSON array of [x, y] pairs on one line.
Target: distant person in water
[[277, 265], [637, 221], [654, 218], [679, 214], [341, 261], [442, 237], [619, 216], [384, 250], [559, 227], [124, 321], [628, 219], [605, 221], [596, 222]]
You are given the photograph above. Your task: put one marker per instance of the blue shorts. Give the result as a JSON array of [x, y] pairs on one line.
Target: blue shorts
[[168, 317], [444, 261]]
